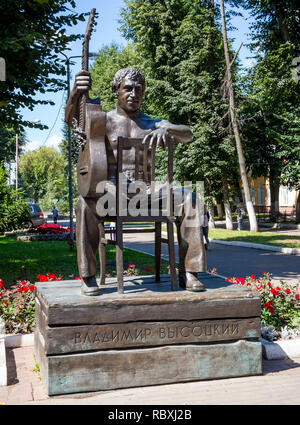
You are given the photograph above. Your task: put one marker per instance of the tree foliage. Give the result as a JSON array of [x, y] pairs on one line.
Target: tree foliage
[[272, 104], [180, 43], [33, 33], [42, 174], [8, 143], [14, 211]]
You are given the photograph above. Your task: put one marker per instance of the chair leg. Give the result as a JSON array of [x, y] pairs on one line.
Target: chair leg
[[157, 251], [171, 246], [119, 256], [102, 254]]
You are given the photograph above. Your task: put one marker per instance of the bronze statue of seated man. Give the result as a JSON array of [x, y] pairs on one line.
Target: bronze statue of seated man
[[128, 121]]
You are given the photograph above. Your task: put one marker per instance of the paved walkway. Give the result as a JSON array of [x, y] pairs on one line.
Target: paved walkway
[[278, 385], [231, 260]]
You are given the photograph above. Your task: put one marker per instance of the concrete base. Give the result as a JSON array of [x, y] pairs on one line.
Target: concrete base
[[147, 336]]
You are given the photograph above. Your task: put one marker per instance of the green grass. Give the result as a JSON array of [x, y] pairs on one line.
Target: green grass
[[25, 260], [266, 238]]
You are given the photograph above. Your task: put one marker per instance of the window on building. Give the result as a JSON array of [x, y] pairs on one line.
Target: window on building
[[283, 196], [261, 198]]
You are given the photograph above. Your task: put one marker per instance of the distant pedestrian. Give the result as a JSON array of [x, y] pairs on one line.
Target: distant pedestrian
[[206, 217], [55, 214], [240, 215]]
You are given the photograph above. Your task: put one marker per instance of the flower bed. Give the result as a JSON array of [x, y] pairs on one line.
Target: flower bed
[[53, 229], [17, 305], [46, 232], [280, 304]]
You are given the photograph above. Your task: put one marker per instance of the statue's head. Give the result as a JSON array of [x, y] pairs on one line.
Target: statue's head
[[129, 86]]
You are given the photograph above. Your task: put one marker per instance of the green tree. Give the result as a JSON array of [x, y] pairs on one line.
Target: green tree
[[273, 96], [42, 174], [32, 33], [14, 211], [180, 43], [8, 143]]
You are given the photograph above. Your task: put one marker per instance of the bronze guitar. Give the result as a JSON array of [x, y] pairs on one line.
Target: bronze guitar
[[92, 161]]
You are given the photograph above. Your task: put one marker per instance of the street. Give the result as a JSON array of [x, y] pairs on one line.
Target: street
[[229, 260]]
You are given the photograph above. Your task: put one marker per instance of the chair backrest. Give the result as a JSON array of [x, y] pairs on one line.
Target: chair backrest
[[144, 158]]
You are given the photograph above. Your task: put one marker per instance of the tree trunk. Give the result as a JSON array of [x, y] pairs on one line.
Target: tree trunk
[[210, 207], [274, 195], [220, 211], [228, 215], [281, 22], [298, 207], [234, 122]]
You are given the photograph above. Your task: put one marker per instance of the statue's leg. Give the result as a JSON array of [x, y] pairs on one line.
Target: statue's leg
[[87, 241], [192, 253]]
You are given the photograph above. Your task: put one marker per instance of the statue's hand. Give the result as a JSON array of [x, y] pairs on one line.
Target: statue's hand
[[158, 137], [83, 83]]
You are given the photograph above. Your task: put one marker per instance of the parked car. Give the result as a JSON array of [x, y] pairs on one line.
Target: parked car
[[36, 215]]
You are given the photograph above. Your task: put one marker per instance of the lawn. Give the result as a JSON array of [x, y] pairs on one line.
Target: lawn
[[267, 238], [25, 260]]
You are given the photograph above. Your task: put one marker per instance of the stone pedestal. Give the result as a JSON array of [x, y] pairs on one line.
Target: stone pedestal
[[147, 336]]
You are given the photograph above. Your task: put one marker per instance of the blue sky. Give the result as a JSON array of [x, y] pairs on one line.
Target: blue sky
[[106, 32]]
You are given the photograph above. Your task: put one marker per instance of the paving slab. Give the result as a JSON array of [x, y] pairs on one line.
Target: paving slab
[[278, 385]]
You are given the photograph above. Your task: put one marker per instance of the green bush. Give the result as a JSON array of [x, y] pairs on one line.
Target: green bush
[[14, 210], [280, 303]]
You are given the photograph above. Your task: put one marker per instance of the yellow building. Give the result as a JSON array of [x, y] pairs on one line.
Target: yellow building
[[260, 194]]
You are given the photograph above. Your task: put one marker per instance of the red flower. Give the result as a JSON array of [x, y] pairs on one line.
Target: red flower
[[59, 278], [264, 272], [271, 309], [1, 284], [131, 265], [25, 289], [31, 287], [297, 296], [77, 278], [252, 277], [278, 288], [5, 303], [260, 286], [1, 294], [269, 283], [274, 292], [268, 303], [148, 270], [240, 280], [287, 290], [20, 289]]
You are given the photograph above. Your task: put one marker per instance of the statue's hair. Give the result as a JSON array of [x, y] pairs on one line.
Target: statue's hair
[[131, 73]]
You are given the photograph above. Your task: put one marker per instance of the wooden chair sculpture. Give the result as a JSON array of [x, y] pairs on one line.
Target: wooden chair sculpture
[[141, 173]]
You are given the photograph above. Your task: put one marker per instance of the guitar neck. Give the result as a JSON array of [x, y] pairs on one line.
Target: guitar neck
[[84, 97]]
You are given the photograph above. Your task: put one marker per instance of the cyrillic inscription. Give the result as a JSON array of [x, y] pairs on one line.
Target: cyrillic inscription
[[137, 334]]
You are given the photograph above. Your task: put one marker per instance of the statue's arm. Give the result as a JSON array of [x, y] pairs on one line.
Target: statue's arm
[[82, 85], [181, 133], [72, 108]]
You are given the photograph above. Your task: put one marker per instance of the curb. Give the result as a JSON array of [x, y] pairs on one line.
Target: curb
[[289, 251], [19, 340], [280, 350], [3, 369]]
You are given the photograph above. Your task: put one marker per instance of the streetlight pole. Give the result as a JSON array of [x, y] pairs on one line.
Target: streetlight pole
[[70, 179]]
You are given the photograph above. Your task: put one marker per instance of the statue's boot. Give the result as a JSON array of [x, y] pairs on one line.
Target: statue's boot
[[190, 282], [89, 286]]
